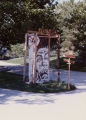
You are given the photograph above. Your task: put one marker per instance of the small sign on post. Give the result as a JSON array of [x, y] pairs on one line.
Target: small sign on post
[[69, 62]]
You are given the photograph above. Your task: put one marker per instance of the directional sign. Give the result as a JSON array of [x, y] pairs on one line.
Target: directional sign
[[66, 60], [69, 61], [69, 56]]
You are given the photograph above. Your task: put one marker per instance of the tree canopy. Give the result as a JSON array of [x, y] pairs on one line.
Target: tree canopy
[[68, 18], [16, 17], [72, 24]]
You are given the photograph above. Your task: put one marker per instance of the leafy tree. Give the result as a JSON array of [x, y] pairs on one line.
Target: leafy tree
[[16, 17], [66, 29], [80, 24], [72, 24]]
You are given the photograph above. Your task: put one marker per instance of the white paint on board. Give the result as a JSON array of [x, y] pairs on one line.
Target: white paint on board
[[42, 65]]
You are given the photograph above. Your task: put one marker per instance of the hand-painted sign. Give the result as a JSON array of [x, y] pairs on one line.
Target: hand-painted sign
[[42, 61]]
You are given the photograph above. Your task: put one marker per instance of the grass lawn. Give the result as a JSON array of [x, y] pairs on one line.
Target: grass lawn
[[21, 60], [17, 60], [15, 82], [11, 81]]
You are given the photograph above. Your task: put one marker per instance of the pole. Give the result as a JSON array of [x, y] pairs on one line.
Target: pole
[[69, 74], [25, 55], [48, 52], [58, 58], [34, 59]]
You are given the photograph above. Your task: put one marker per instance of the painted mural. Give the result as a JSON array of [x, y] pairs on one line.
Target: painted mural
[[42, 63]]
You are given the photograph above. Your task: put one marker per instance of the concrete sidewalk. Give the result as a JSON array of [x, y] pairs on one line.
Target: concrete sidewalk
[[16, 105], [3, 63]]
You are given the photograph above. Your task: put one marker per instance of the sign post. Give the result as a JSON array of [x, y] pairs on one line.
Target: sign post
[[69, 62], [69, 74], [58, 58]]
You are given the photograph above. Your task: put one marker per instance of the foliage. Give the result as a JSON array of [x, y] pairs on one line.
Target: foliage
[[72, 24], [68, 18], [50, 87], [19, 60], [65, 11], [17, 50], [16, 17]]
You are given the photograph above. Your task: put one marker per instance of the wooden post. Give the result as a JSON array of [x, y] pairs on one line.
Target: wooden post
[[49, 51], [58, 58], [25, 55], [69, 74], [34, 59], [69, 55]]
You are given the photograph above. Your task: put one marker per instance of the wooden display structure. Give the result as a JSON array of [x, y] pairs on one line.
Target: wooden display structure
[[41, 33]]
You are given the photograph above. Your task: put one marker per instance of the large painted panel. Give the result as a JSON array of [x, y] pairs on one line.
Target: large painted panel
[[42, 59]]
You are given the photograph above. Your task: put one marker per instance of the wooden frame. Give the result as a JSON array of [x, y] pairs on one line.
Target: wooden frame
[[25, 55], [41, 33], [34, 61], [58, 57]]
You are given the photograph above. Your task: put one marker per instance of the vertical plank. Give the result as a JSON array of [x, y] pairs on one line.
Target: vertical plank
[[34, 59], [25, 55], [58, 58], [48, 53], [69, 74]]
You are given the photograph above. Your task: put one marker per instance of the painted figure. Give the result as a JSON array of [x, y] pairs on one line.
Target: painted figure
[[42, 65]]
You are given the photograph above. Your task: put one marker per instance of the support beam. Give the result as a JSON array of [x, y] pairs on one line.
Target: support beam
[[25, 55], [34, 59], [58, 58], [49, 51], [69, 74]]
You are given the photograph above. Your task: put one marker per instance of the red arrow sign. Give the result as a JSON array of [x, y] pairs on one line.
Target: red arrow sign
[[68, 60], [69, 56]]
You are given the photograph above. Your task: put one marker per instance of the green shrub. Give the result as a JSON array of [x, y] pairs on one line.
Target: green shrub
[[17, 50], [50, 87]]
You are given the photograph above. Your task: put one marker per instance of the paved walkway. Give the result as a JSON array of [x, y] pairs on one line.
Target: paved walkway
[[17, 105], [3, 63]]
